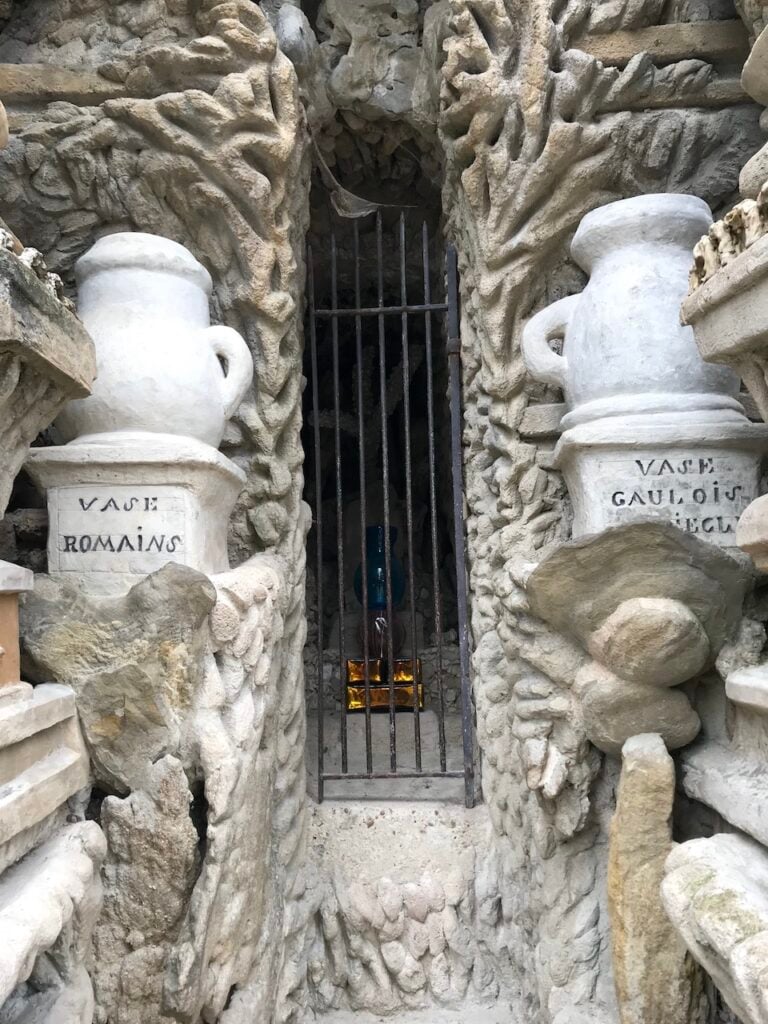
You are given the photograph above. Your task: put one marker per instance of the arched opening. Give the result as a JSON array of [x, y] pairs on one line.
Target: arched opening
[[383, 661]]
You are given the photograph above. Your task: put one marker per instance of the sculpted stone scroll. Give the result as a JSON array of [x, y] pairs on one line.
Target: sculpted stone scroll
[[653, 606]]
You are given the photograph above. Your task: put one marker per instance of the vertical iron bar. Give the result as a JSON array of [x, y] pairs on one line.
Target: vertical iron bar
[[339, 509], [454, 368], [433, 497], [408, 488], [385, 483], [318, 524], [363, 515]]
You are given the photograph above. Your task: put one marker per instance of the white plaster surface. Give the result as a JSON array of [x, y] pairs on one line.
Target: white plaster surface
[[161, 366], [122, 506], [624, 348]]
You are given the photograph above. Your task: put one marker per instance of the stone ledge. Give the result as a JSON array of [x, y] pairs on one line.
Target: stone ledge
[[44, 83], [733, 786], [716, 895], [434, 1015], [46, 706], [36, 792], [713, 40], [14, 579], [735, 321], [749, 687]]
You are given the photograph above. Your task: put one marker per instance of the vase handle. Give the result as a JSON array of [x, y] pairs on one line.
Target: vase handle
[[543, 364], [237, 371]]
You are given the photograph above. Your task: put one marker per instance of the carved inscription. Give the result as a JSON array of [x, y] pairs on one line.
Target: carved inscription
[[119, 528], [702, 494]]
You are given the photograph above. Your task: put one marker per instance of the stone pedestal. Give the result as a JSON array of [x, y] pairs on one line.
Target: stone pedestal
[[696, 470], [123, 505]]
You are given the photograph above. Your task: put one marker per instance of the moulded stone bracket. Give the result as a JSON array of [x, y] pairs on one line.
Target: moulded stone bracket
[[653, 606]]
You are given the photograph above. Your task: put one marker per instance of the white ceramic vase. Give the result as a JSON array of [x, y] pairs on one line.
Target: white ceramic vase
[[624, 349], [161, 366]]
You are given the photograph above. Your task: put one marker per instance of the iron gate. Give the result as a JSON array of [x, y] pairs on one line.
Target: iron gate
[[376, 323]]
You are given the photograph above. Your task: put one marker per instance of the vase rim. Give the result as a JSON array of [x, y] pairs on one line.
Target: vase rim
[[665, 217], [140, 250]]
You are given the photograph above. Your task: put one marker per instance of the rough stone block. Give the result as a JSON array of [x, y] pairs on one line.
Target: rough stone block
[[54, 887], [655, 979], [731, 784]]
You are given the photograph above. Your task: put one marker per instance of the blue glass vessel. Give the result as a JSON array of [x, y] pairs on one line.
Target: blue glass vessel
[[376, 570]]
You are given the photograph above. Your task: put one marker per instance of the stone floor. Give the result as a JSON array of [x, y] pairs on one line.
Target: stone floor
[[450, 789]]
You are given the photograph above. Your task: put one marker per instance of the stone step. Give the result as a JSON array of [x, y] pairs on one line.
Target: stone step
[[424, 788], [433, 1015]]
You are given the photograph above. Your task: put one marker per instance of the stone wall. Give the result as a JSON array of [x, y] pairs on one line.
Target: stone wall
[[186, 119], [180, 692], [528, 154], [183, 119]]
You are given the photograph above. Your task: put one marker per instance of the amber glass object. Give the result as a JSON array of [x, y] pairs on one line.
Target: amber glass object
[[404, 684]]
